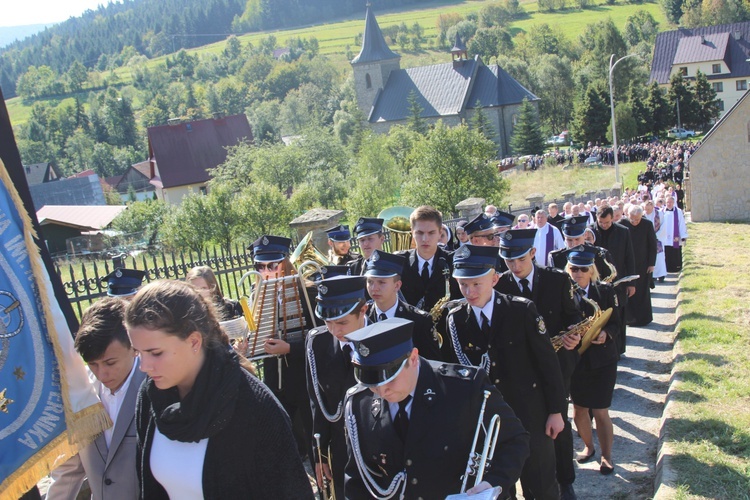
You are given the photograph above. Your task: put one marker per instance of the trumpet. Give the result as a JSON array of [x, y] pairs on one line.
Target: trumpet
[[326, 492], [478, 463]]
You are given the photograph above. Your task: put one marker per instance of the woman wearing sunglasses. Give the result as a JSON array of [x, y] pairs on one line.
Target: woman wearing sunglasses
[[593, 381], [284, 371]]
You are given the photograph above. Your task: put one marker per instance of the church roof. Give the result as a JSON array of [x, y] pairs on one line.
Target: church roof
[[446, 90], [458, 44], [374, 47]]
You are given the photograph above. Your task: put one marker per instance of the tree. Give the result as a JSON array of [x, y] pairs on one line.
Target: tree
[[682, 99], [627, 128], [600, 40], [591, 116], [188, 225], [416, 122], [76, 76], [527, 138], [376, 179], [641, 27], [262, 209], [450, 164], [553, 84], [147, 216], [707, 105], [481, 123], [659, 113], [490, 42], [673, 9]]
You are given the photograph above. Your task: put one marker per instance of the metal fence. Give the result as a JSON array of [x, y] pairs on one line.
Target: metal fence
[[83, 280]]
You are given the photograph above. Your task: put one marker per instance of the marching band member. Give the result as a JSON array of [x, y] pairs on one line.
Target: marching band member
[[507, 337], [574, 230], [551, 290], [593, 382], [341, 304], [340, 245], [382, 271], [369, 234], [411, 422]]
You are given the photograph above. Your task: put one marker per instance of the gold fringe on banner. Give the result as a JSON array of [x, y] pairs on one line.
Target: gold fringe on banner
[[82, 426]]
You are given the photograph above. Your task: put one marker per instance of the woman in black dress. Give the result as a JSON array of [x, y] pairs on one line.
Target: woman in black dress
[[593, 381]]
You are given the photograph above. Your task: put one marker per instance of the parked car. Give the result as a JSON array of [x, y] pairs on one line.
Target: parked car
[[680, 133]]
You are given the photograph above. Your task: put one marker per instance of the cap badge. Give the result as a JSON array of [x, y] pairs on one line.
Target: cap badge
[[323, 289], [508, 236], [323, 270], [118, 273], [375, 257], [360, 221], [363, 350], [265, 240], [464, 372], [342, 228], [463, 252]]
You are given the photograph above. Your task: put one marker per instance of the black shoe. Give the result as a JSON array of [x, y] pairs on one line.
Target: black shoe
[[582, 459], [567, 492], [606, 470], [661, 280]]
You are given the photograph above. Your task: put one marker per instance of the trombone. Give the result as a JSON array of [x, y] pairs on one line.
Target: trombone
[[478, 463]]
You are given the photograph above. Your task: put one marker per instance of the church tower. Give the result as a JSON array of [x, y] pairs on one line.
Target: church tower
[[373, 64]]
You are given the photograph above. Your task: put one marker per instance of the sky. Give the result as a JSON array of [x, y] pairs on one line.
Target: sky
[[23, 12]]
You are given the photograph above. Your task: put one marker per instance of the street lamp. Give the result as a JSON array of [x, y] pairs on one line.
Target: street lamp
[[612, 106]]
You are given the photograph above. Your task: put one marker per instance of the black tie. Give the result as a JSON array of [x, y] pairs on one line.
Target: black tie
[[426, 272], [347, 350], [401, 423], [485, 325], [525, 290], [382, 317]]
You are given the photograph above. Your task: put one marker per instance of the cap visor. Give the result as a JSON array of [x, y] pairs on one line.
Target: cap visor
[[333, 313], [367, 232], [509, 254], [468, 272], [375, 376], [379, 273], [269, 257]]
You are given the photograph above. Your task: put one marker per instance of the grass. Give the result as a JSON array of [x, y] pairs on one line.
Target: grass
[[334, 37], [711, 410], [553, 181]]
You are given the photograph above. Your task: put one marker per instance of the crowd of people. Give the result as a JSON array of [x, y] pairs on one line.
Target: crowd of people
[[382, 370]]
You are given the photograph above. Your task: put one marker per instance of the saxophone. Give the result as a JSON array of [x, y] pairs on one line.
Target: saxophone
[[437, 309], [583, 328]]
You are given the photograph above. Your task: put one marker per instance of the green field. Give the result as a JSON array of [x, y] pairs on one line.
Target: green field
[[334, 37]]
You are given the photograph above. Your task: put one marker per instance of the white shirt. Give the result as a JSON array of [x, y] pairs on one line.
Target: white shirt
[[178, 466], [113, 402], [529, 278], [540, 242], [486, 309], [421, 261], [393, 407], [390, 313]]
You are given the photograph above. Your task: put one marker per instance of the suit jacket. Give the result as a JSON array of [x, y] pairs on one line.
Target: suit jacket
[[617, 241], [414, 290], [111, 473], [424, 335], [523, 362], [552, 294], [443, 419]]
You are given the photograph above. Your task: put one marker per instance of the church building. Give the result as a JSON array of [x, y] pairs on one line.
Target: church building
[[450, 92]]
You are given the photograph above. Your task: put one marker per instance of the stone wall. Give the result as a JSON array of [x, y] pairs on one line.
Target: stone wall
[[720, 170]]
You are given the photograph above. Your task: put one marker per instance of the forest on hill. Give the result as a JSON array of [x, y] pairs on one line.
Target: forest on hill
[[110, 35]]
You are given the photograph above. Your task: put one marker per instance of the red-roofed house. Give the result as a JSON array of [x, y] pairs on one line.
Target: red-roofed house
[[62, 222], [181, 156]]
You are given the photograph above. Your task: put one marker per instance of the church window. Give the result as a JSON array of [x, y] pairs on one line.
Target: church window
[[368, 81]]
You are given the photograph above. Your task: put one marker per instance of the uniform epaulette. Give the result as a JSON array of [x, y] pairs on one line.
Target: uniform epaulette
[[421, 312], [316, 331], [355, 389], [556, 270], [518, 298], [457, 371]]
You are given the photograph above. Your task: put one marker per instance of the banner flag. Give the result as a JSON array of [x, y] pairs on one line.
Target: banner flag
[[48, 408]]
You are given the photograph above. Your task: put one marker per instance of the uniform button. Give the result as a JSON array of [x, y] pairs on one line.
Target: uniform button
[[510, 343], [494, 363], [108, 481], [533, 385], [445, 449], [497, 381], [414, 480], [489, 346], [408, 461]]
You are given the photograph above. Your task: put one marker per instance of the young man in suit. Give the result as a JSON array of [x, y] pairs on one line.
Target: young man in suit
[[108, 462], [382, 271]]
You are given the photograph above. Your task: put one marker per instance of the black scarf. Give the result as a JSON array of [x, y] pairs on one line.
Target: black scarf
[[207, 408]]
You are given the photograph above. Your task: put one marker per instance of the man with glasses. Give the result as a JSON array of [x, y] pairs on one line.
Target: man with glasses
[[547, 239]]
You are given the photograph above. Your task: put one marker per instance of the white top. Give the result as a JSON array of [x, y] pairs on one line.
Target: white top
[[540, 242], [113, 402], [390, 313], [178, 466], [421, 261]]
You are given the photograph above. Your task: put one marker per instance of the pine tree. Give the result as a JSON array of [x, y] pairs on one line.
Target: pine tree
[[659, 113], [591, 116], [706, 101], [527, 137], [681, 93], [416, 122], [481, 123]]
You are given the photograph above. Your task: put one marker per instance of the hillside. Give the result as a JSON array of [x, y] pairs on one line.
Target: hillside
[[10, 34]]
